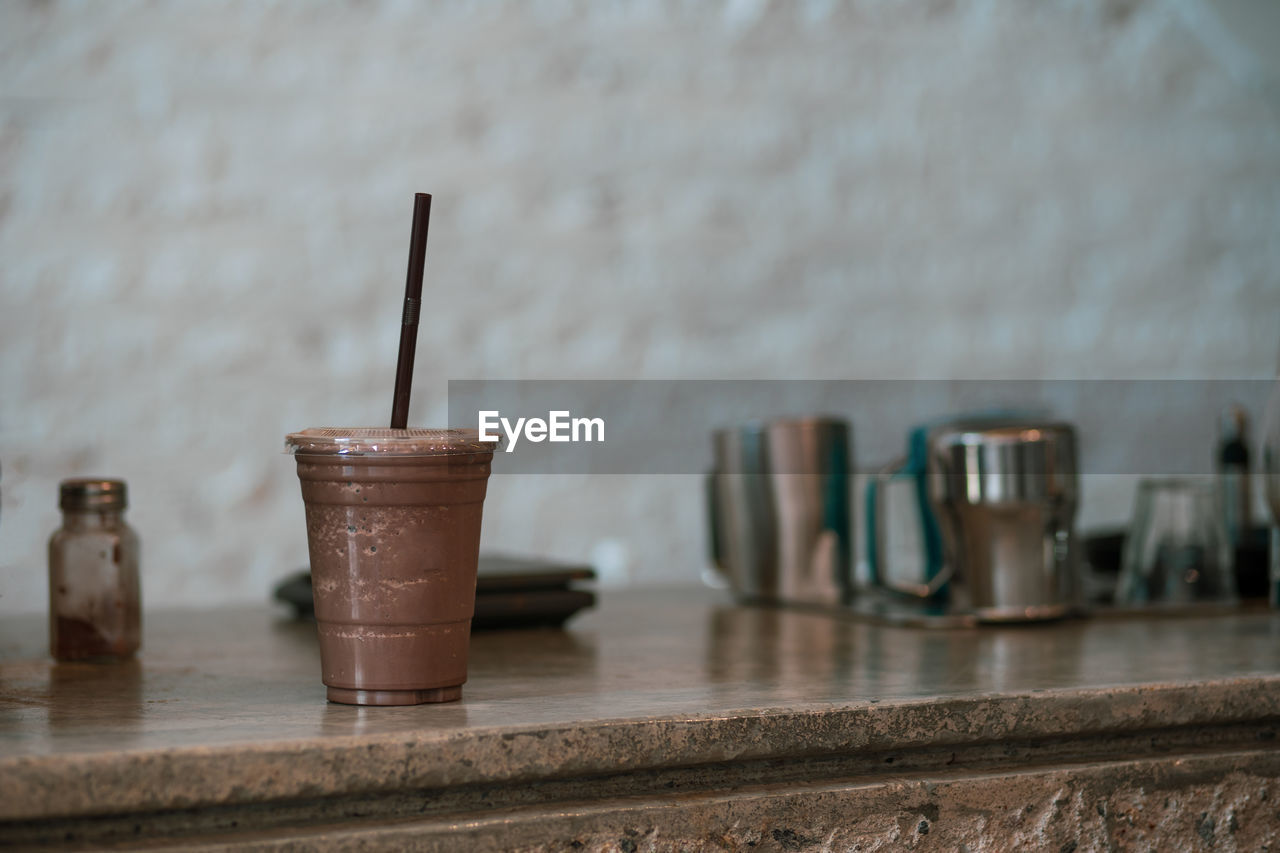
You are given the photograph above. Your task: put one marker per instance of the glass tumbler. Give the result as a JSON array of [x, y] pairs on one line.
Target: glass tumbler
[[1177, 550]]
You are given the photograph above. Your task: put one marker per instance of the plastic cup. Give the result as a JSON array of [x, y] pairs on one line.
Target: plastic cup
[[393, 530]]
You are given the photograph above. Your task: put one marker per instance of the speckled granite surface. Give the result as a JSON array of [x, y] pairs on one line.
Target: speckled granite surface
[[654, 696], [1216, 803]]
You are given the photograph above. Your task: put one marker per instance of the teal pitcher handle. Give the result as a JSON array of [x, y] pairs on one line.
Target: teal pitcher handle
[[895, 470], [715, 538]]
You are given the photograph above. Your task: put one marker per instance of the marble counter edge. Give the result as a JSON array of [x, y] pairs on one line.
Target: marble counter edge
[[38, 787]]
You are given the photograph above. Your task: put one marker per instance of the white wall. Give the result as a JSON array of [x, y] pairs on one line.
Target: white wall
[[204, 213]]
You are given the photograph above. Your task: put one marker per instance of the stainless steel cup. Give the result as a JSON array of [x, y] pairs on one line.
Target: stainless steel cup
[[778, 501], [1006, 496]]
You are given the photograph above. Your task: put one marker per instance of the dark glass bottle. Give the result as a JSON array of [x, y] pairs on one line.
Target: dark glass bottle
[[1271, 482], [1234, 474]]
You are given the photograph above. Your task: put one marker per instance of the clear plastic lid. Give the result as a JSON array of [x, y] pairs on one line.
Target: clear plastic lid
[[365, 441]]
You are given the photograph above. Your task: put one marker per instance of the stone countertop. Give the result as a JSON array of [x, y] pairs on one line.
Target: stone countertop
[[226, 706]]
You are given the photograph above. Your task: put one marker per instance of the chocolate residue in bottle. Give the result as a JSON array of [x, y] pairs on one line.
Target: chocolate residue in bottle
[[80, 640]]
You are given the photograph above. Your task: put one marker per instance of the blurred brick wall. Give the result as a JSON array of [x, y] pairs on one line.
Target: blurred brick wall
[[204, 211]]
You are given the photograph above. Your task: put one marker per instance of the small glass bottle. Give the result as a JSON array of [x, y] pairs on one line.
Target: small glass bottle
[[95, 608]]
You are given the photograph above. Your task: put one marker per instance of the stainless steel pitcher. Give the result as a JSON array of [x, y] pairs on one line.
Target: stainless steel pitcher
[[1006, 496], [779, 512]]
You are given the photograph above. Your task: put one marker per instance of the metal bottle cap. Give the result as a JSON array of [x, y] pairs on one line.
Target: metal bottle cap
[[91, 493]]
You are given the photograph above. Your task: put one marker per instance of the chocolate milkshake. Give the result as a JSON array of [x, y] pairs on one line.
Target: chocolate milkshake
[[393, 528]]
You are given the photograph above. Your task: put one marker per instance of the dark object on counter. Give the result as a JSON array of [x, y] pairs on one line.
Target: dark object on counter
[[515, 592], [95, 608], [1102, 550], [511, 592], [1233, 472]]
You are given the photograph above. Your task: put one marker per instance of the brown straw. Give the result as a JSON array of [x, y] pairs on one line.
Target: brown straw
[[412, 306]]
